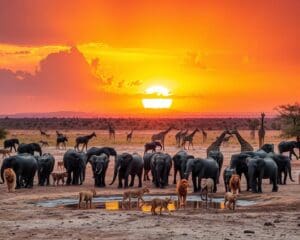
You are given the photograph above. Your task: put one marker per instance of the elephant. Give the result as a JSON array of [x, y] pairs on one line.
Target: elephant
[[284, 166], [227, 173], [202, 168], [46, 164], [219, 158], [288, 146], [262, 168], [147, 165], [161, 164], [11, 143], [75, 165], [24, 165], [98, 151], [128, 164], [268, 147], [99, 166], [180, 160], [239, 163], [30, 148]]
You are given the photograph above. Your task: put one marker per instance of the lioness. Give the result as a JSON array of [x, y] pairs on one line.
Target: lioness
[[208, 187], [59, 176], [161, 203], [86, 196], [230, 200], [10, 178], [134, 194], [235, 184]]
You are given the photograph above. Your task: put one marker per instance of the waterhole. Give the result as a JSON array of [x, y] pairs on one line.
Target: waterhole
[[114, 203]]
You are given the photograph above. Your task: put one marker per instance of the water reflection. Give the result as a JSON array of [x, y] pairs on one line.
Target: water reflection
[[146, 207]]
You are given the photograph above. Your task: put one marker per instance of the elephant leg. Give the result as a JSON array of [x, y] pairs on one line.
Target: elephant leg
[[215, 185], [194, 183], [292, 152], [175, 174], [126, 181], [285, 176], [247, 181], [259, 183], [199, 184], [69, 178], [120, 181], [132, 180], [18, 181], [140, 179]]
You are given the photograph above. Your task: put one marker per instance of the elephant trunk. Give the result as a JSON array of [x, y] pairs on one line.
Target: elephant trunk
[[2, 177], [290, 172], [115, 175]]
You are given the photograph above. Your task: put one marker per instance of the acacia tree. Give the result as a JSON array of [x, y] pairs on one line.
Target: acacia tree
[[289, 115]]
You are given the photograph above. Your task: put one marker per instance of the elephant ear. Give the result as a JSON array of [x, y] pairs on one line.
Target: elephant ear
[[127, 157]]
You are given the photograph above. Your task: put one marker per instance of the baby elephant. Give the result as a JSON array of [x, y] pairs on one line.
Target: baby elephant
[[207, 188], [86, 196], [230, 200], [161, 203]]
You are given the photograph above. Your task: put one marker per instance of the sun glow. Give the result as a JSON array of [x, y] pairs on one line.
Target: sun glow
[[159, 98]]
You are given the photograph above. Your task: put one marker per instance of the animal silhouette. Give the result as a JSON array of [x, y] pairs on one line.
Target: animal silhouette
[[161, 137], [262, 131]]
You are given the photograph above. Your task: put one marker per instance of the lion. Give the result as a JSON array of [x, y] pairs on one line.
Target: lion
[[59, 176], [134, 194], [235, 184], [207, 188], [86, 196], [10, 178], [5, 153], [230, 200], [181, 190], [161, 203]]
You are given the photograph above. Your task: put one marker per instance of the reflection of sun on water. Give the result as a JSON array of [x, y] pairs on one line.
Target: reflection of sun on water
[[113, 205], [147, 207], [160, 101]]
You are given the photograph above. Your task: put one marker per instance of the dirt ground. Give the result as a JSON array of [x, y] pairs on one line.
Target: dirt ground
[[275, 215]]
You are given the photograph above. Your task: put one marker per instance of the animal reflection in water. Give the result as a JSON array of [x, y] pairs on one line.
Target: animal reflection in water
[[146, 207]]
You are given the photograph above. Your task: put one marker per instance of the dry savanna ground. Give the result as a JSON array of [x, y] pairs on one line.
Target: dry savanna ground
[[275, 215]]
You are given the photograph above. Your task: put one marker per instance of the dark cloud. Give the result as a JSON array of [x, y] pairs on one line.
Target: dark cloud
[[63, 77]]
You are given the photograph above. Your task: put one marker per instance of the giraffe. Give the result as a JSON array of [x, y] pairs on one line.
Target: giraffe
[[129, 136], [215, 146], [161, 137], [189, 138], [43, 133], [245, 146], [178, 137], [111, 132], [262, 131], [204, 135]]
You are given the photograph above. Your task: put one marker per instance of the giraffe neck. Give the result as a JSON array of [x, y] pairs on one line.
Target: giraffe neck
[[240, 138], [193, 133], [262, 123], [220, 139]]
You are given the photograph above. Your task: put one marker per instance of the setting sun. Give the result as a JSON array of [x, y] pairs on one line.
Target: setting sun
[[159, 98]]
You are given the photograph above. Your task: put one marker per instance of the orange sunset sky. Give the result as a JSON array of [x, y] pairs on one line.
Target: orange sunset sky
[[102, 56]]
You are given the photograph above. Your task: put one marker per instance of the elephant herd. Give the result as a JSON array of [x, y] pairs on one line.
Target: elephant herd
[[254, 165]]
